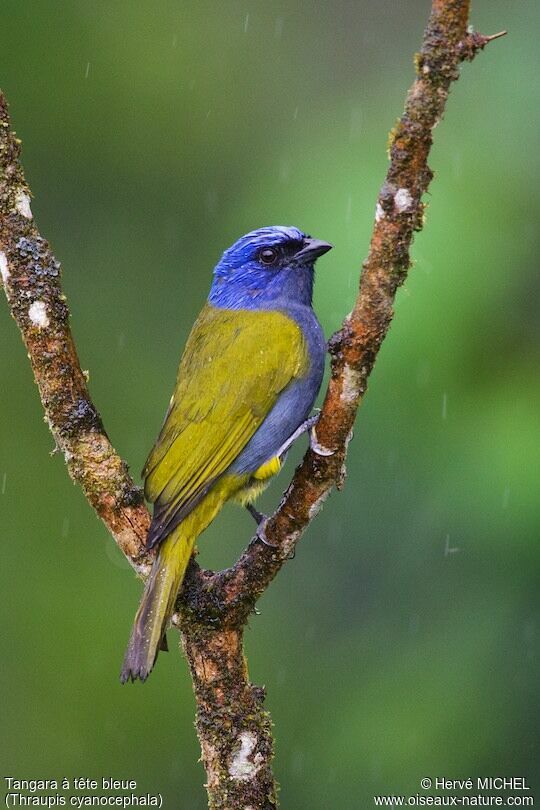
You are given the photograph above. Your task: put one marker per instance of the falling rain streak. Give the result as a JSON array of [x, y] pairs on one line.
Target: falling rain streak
[[448, 549]]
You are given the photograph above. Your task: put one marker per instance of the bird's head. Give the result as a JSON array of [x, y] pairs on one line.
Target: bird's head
[[266, 265]]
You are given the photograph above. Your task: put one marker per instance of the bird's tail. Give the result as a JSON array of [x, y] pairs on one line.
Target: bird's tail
[[157, 604]]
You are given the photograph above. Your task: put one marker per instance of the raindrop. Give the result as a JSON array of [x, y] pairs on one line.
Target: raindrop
[[246, 23], [448, 549], [121, 341], [444, 412], [4, 482], [87, 73], [278, 28], [65, 527], [295, 114], [175, 40]]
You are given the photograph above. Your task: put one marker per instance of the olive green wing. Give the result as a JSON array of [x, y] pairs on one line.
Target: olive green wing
[[235, 365]]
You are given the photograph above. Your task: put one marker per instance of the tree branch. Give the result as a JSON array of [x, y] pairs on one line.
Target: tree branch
[[234, 730], [31, 279]]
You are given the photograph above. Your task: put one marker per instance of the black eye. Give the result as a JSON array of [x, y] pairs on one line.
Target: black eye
[[268, 255]]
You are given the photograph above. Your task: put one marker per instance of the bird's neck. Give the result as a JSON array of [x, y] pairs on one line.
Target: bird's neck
[[254, 292]]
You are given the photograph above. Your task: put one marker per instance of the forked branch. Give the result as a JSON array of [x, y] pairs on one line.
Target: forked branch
[[234, 729]]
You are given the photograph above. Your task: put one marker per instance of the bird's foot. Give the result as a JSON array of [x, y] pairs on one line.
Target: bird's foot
[[308, 424], [257, 516], [261, 521]]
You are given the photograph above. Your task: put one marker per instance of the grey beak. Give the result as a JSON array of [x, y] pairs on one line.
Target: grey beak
[[312, 249]]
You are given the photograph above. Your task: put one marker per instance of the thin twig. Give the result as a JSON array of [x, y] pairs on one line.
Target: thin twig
[[31, 280]]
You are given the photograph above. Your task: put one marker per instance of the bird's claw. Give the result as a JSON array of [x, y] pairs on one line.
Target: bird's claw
[[257, 516], [308, 424], [261, 521], [260, 534]]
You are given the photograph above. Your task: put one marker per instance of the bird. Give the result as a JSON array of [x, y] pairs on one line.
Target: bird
[[247, 381]]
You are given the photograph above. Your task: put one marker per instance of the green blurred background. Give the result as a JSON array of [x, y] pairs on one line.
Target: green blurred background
[[402, 641]]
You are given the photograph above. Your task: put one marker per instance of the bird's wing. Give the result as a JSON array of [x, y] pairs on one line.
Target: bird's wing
[[235, 364]]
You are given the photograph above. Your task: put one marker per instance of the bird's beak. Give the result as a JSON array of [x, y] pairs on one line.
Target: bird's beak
[[312, 249]]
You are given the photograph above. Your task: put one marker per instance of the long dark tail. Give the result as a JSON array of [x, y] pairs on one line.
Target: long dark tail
[[157, 604]]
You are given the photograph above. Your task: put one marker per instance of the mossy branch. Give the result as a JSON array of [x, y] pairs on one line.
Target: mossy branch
[[234, 730]]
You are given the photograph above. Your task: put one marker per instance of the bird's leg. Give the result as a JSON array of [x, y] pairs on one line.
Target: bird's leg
[[261, 521], [303, 428], [257, 516]]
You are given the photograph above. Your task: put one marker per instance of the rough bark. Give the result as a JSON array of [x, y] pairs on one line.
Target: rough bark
[[234, 730], [213, 608], [31, 280]]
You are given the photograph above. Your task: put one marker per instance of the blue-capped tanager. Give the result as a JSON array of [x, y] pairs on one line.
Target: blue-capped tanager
[[247, 381]]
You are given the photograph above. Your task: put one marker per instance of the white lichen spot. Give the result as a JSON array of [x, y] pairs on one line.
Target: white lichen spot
[[316, 508], [4, 269], [402, 200], [37, 312], [288, 544], [242, 768], [22, 204], [351, 384], [379, 213]]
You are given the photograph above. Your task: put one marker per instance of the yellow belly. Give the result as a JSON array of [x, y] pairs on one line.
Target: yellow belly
[[258, 481], [268, 469]]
